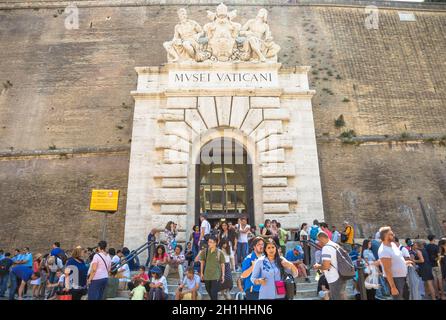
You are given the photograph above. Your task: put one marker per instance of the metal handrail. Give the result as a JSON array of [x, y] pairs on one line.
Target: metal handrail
[[134, 253]]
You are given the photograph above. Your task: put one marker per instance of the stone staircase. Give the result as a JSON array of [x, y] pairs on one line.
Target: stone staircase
[[304, 290]]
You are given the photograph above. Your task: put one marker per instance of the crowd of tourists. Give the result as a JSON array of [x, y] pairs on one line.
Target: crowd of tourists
[[380, 267]]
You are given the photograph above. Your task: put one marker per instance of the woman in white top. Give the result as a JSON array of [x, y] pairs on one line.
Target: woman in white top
[[226, 286], [158, 285]]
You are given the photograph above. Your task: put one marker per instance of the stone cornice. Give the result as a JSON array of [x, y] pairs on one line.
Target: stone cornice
[[390, 5]]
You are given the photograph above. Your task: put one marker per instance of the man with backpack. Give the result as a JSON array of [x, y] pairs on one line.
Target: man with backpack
[[5, 266], [336, 265], [251, 290], [212, 268]]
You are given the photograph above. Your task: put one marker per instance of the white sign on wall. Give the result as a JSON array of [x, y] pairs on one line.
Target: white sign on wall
[[221, 79]]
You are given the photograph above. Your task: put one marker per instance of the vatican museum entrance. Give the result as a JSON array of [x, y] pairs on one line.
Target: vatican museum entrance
[[224, 182]]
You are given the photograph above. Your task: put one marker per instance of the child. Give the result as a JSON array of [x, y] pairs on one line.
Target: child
[[158, 286], [55, 286], [139, 292]]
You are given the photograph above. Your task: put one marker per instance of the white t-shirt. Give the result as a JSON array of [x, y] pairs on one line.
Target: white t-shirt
[[329, 253], [399, 267], [243, 237], [116, 259], [206, 226], [125, 273], [163, 281]]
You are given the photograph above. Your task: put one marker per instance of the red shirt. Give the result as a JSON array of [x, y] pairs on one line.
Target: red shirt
[[142, 276]]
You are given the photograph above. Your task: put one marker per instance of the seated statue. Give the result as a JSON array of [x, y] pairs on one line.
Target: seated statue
[[184, 45], [258, 39]]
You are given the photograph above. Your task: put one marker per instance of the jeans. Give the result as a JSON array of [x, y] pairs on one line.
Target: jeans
[[13, 287], [3, 284], [97, 288], [242, 251], [337, 289], [212, 287]]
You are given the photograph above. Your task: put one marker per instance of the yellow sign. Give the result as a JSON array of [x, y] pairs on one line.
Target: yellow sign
[[104, 200]]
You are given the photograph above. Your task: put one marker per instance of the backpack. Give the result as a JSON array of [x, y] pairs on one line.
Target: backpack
[[346, 268], [4, 266], [63, 257], [219, 252], [313, 232], [344, 236]]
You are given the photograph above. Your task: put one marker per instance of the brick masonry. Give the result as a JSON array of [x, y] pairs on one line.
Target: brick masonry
[[71, 88]]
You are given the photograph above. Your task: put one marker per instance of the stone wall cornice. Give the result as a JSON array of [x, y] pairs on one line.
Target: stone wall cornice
[[390, 5]]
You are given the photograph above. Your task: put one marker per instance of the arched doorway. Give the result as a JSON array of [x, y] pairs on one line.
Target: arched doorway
[[224, 188]]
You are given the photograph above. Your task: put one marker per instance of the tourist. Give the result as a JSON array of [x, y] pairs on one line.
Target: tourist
[[53, 264], [347, 237], [176, 262], [275, 232], [195, 239], [151, 242], [56, 250], [403, 249], [115, 259], [214, 260], [433, 251], [324, 227], [205, 229], [124, 274], [37, 282], [314, 231], [229, 235], [226, 286], [269, 273], [139, 291], [241, 245], [158, 285], [78, 273], [329, 265], [170, 233], [283, 237], [251, 290], [5, 267], [442, 259], [160, 258], [189, 254], [54, 286], [190, 286], [100, 268], [323, 288], [296, 256], [393, 264], [371, 265], [215, 231], [336, 236], [26, 259], [17, 256], [141, 276], [18, 277], [265, 229], [303, 237], [425, 267]]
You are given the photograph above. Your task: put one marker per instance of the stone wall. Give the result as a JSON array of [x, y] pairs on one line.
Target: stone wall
[[65, 88]]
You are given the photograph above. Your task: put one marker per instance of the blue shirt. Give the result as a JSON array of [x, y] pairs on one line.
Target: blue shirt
[[246, 264], [56, 251], [29, 259], [354, 255], [17, 257], [22, 272], [269, 271], [291, 257], [82, 272]]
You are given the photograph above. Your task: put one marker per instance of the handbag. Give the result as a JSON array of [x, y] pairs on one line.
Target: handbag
[[280, 287]]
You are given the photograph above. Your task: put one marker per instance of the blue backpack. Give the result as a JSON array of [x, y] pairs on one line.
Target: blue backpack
[[313, 232]]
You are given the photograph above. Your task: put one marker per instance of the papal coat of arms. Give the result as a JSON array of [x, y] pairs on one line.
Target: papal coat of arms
[[222, 39]]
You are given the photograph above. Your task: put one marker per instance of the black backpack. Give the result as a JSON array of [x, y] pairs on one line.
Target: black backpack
[[63, 257], [4, 266]]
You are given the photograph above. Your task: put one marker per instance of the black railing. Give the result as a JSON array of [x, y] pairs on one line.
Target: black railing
[[134, 253]]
